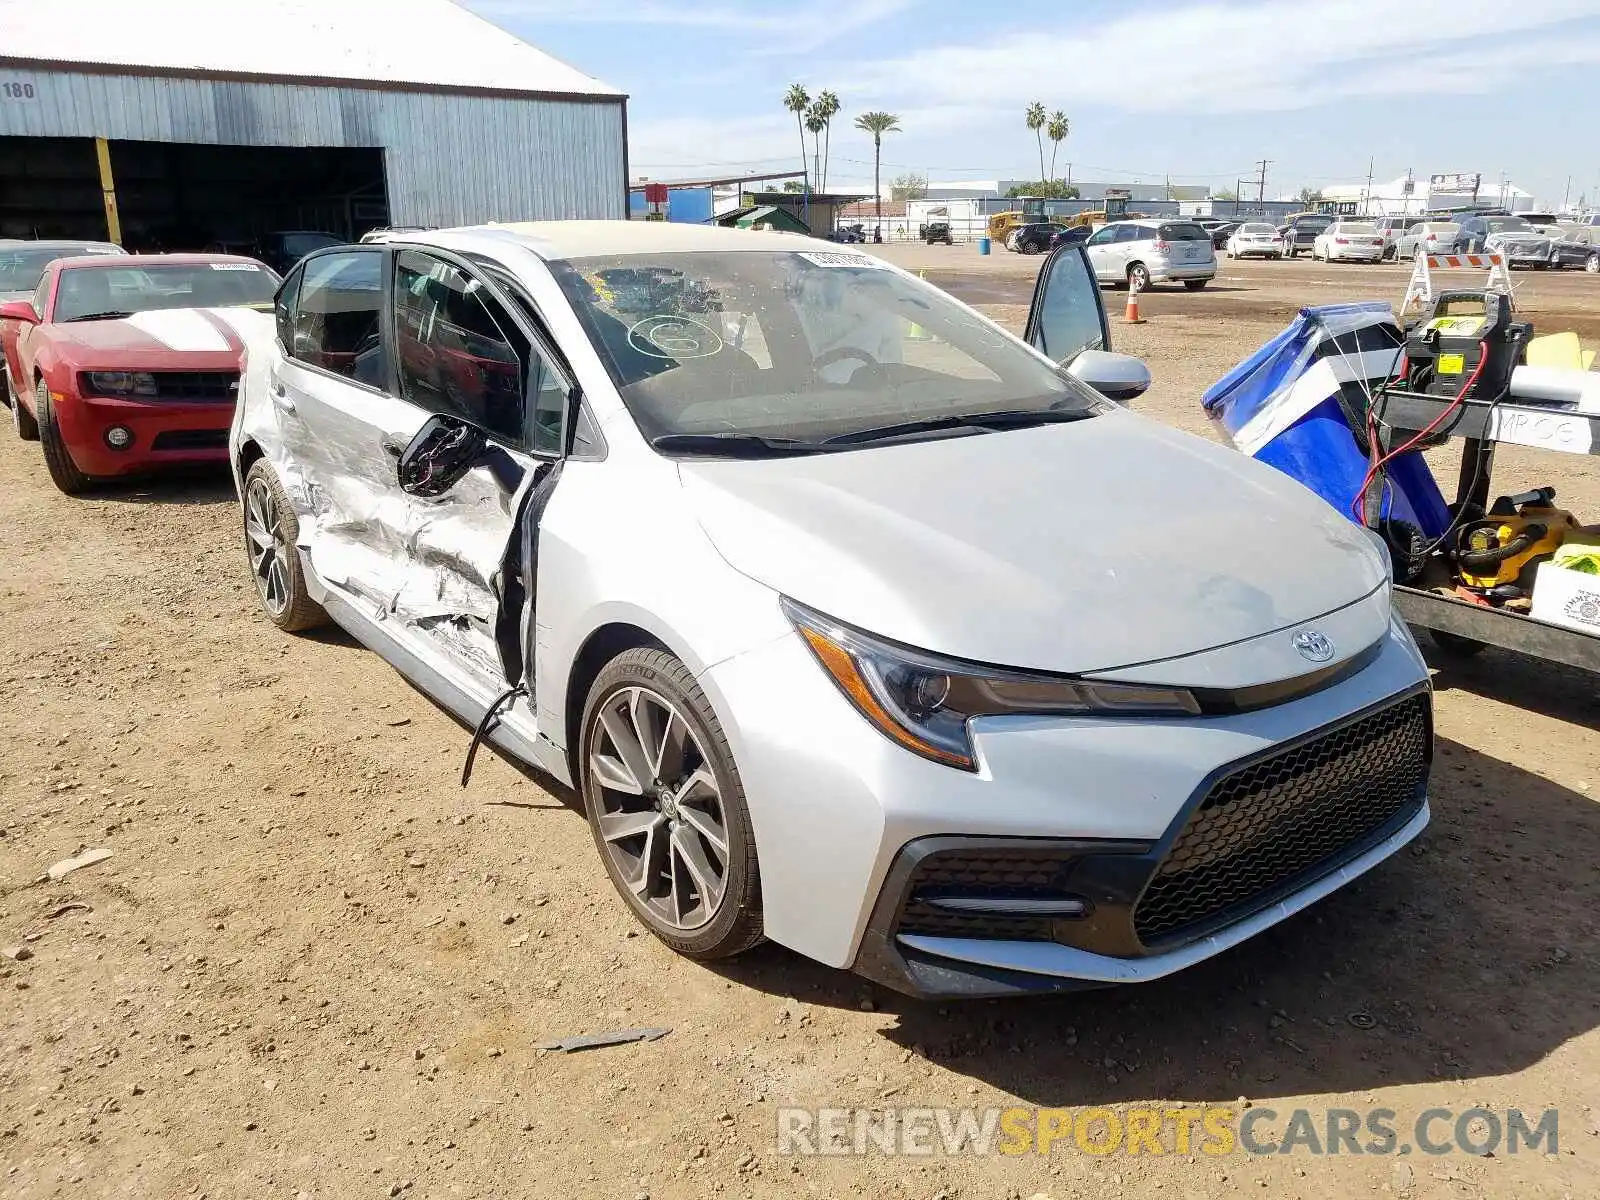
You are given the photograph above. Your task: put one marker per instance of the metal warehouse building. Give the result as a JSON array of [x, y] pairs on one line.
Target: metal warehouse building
[[208, 123]]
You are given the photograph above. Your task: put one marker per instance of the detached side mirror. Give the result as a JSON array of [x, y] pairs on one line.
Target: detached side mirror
[[1118, 377], [18, 310], [440, 455]]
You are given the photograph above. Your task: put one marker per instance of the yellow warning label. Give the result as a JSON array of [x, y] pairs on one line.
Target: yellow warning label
[[1457, 326], [1452, 364]]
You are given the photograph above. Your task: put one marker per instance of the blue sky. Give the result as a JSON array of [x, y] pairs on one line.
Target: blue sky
[[1198, 89]]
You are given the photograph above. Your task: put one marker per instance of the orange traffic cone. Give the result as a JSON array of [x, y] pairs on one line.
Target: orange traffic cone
[[1131, 315]]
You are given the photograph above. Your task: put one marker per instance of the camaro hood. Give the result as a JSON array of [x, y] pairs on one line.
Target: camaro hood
[[1074, 548], [196, 339]]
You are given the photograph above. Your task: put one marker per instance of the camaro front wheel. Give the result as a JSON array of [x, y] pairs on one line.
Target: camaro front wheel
[[271, 530], [57, 458], [666, 806]]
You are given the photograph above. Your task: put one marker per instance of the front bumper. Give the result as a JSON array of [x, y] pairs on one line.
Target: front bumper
[[835, 806], [165, 433]]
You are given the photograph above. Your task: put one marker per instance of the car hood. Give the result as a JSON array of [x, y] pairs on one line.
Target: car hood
[[191, 338], [1075, 548]]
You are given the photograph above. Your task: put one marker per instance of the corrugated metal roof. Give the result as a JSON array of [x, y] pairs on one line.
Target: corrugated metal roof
[[421, 43]]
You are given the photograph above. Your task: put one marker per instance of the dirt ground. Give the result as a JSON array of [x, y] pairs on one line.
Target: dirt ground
[[316, 967]]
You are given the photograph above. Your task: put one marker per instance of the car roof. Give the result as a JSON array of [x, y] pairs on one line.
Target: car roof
[[129, 261], [552, 240]]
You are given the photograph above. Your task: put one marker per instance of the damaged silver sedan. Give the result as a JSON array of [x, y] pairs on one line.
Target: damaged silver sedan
[[818, 587]]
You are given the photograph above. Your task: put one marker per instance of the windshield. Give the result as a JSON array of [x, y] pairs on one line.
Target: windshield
[[1508, 225], [1186, 232], [23, 267], [90, 291], [799, 345]]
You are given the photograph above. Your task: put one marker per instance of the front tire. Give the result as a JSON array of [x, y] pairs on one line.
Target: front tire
[[667, 808], [57, 458], [21, 419], [271, 534]]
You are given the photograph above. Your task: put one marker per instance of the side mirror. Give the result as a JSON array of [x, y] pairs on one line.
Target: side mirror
[[18, 310], [441, 453], [1118, 377]]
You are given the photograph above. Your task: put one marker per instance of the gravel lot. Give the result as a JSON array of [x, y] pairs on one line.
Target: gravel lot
[[316, 967]]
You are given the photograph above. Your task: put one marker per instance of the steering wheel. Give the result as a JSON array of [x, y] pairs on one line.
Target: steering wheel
[[842, 354]]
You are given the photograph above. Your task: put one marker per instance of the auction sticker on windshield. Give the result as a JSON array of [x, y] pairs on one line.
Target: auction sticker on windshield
[[861, 261], [674, 337]]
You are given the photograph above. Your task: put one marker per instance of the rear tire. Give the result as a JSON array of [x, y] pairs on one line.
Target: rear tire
[[1196, 285], [27, 428], [660, 849], [1139, 277], [1592, 264], [1456, 645], [57, 458], [271, 537]]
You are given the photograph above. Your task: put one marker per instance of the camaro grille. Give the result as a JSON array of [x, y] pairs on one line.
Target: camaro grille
[[220, 387], [1011, 873], [1282, 819]]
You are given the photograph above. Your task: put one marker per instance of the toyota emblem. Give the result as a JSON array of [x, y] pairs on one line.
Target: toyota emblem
[[1313, 646]]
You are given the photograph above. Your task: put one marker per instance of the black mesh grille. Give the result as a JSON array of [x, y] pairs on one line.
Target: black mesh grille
[[220, 387], [1301, 810], [191, 439], [1009, 873]]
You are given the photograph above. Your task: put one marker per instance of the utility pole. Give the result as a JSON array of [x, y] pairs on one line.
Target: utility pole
[[1566, 195], [1366, 197], [1261, 187]]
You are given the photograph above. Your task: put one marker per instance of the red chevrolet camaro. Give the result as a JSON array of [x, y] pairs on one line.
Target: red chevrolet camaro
[[125, 364]]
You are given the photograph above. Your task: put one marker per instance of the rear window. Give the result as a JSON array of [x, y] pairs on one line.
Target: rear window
[[1186, 232], [1257, 227], [1357, 227]]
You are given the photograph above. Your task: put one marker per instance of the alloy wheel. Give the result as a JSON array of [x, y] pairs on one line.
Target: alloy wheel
[[1592, 264], [268, 550], [660, 812]]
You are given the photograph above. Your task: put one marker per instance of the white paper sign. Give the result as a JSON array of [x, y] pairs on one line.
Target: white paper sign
[[1564, 431]]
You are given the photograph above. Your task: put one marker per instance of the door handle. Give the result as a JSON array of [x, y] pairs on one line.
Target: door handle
[[280, 395]]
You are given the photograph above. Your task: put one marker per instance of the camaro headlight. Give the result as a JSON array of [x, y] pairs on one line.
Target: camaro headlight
[[924, 702], [122, 383]]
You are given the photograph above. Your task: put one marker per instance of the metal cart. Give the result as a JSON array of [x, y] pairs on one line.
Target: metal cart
[[1481, 426]]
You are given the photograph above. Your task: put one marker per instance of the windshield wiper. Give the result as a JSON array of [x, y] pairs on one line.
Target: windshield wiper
[[732, 445], [1007, 419], [99, 316]]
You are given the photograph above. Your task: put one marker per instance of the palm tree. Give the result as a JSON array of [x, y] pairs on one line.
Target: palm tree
[[815, 124], [827, 108], [1036, 122], [878, 124], [796, 101], [1057, 131]]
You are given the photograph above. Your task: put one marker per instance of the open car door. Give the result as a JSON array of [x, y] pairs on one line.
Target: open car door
[[1067, 324]]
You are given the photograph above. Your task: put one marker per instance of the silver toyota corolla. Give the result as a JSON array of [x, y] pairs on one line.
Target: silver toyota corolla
[[858, 623]]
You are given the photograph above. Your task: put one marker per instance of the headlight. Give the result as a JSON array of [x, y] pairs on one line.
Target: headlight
[[122, 383], [924, 702]]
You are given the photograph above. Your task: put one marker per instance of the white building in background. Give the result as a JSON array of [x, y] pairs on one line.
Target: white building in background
[[1422, 193]]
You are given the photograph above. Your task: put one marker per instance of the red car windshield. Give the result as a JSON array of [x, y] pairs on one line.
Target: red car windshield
[[99, 293]]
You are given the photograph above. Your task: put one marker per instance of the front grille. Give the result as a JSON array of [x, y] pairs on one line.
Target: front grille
[[1271, 824], [215, 387], [1010, 873], [191, 439]]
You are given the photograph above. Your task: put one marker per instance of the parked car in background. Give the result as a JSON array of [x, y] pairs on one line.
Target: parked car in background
[[22, 265], [1426, 237], [1221, 232], [1299, 233], [1254, 239], [129, 363], [282, 250], [706, 566], [389, 233], [936, 232], [1037, 237], [1512, 237], [1145, 252], [1348, 241], [1587, 239], [1391, 228]]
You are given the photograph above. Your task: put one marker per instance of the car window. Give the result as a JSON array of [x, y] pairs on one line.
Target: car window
[[460, 352], [1257, 227], [298, 245], [1102, 236], [91, 292], [41, 295], [1069, 318], [1133, 233], [1184, 232], [21, 267], [336, 316]]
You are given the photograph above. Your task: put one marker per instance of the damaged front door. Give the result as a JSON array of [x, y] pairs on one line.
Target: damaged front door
[[463, 357]]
